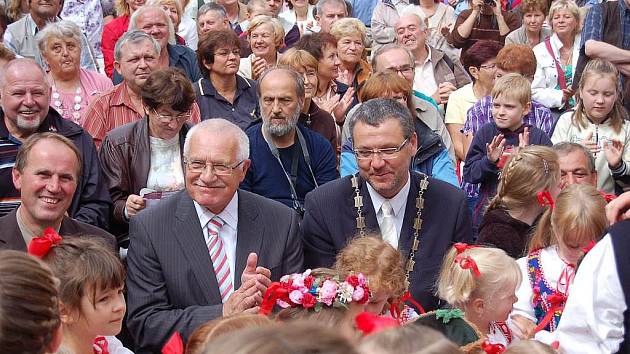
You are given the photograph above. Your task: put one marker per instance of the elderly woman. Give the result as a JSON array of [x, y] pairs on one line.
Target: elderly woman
[[115, 28], [556, 57], [146, 156], [312, 116], [221, 92], [532, 31], [351, 37], [266, 37], [185, 27], [73, 87]]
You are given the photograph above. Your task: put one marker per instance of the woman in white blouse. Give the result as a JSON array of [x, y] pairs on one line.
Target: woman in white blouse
[[300, 12], [557, 57]]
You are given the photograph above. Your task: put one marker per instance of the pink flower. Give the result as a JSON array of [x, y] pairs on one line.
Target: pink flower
[[296, 296], [358, 294], [362, 279], [328, 292], [282, 304]]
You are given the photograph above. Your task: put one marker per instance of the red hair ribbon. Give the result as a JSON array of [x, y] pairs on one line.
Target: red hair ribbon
[[545, 199], [490, 348], [468, 263], [100, 345], [556, 303], [174, 345], [369, 323], [39, 246], [608, 197], [461, 247], [589, 247], [555, 345], [395, 308]]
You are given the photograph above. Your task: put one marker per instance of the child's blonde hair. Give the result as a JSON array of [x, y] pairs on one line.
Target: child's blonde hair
[[458, 286], [377, 260], [514, 86], [84, 265], [618, 114], [529, 170], [579, 213], [411, 339]]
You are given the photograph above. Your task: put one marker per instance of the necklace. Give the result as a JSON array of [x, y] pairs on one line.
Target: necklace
[[75, 113], [417, 223]]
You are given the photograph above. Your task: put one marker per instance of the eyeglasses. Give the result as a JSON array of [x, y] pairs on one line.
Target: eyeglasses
[[403, 70], [385, 154], [226, 53], [199, 166], [489, 66], [167, 119]]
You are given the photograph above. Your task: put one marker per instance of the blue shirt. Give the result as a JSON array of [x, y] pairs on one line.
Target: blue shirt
[[594, 29], [363, 9], [265, 176]]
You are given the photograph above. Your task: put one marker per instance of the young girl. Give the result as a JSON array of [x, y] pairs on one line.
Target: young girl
[[577, 219], [91, 281], [479, 284], [599, 123], [530, 172], [29, 312]]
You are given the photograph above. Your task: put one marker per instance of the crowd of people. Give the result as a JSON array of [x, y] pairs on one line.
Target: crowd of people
[[321, 176]]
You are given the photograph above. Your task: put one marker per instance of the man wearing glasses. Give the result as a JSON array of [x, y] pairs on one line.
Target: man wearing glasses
[[419, 215], [210, 250]]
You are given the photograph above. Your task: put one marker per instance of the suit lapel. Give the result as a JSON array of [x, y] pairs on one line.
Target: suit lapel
[[371, 223], [248, 234], [10, 234], [189, 235]]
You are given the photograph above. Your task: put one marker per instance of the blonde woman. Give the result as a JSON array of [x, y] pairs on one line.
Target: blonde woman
[[266, 36], [350, 34], [557, 56]]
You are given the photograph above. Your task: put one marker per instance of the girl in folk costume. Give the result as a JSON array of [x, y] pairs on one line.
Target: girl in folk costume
[[91, 302], [599, 122], [479, 284], [514, 211], [576, 220]]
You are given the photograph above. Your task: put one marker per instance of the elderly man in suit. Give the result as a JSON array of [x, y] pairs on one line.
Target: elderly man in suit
[[420, 216], [209, 250]]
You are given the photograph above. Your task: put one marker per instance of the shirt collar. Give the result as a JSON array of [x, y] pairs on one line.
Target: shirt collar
[[229, 214], [397, 202]]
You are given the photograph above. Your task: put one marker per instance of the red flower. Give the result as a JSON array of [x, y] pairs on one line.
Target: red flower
[[308, 282], [353, 280], [308, 301]]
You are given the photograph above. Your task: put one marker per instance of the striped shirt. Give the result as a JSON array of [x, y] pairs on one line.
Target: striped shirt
[[9, 197], [113, 109]]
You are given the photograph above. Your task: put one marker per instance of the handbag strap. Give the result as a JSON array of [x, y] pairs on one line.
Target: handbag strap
[[561, 78]]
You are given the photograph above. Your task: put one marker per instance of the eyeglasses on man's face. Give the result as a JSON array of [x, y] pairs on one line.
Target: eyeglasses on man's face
[[219, 169], [385, 153]]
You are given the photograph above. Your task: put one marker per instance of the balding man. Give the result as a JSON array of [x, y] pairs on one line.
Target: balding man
[[25, 111], [210, 250]]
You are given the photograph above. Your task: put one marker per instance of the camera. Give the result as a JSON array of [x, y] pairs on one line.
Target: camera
[[489, 2]]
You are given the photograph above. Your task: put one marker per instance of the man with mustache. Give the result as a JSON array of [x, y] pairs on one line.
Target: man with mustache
[[288, 159], [20, 35], [210, 250], [136, 56], [25, 95]]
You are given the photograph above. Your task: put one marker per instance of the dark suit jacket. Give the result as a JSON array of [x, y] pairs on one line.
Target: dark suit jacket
[[11, 236], [170, 279], [330, 222]]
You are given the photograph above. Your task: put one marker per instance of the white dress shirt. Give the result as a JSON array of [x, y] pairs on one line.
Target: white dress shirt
[[424, 77], [592, 321], [227, 233], [398, 203]]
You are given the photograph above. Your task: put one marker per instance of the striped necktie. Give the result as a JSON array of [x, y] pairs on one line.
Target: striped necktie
[[219, 258]]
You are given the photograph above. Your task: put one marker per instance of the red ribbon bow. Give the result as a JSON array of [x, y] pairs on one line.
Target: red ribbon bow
[[490, 348], [100, 345], [39, 246], [368, 322], [175, 345], [395, 308], [545, 199], [589, 247], [468, 263], [556, 303], [461, 247]]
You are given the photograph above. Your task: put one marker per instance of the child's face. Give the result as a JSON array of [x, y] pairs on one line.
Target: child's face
[[508, 112], [598, 96], [105, 316], [499, 307], [571, 247]]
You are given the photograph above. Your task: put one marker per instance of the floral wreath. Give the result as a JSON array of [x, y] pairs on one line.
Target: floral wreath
[[307, 291]]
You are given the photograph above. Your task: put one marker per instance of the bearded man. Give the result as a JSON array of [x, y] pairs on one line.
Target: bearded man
[[287, 160]]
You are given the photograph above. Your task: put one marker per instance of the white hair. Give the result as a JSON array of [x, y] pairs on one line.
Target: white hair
[[133, 21], [223, 127]]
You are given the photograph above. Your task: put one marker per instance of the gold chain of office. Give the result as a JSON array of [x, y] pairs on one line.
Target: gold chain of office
[[417, 223]]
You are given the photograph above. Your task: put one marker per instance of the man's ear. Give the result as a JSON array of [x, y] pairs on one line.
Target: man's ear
[[117, 66], [318, 18], [17, 178]]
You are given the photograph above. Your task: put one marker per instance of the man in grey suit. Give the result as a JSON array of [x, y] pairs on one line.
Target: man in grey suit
[[210, 250]]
